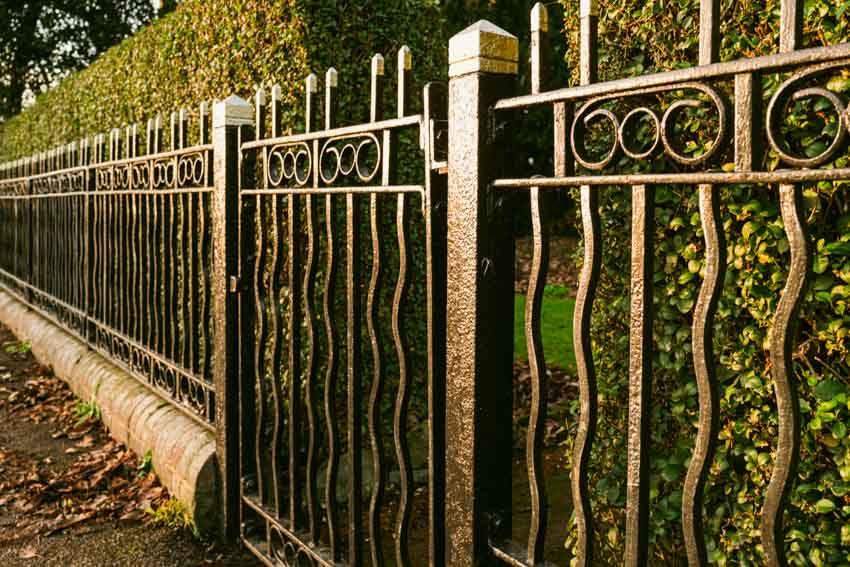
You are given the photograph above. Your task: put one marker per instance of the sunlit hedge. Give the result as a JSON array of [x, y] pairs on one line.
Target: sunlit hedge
[[209, 49]]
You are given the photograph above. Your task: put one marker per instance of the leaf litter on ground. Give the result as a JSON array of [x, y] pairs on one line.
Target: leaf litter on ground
[[100, 484]]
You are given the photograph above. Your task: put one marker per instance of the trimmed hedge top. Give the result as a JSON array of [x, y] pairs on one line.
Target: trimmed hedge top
[[210, 49]]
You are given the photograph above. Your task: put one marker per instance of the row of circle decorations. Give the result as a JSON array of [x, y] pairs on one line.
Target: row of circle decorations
[[176, 384], [345, 157], [186, 170], [664, 126]]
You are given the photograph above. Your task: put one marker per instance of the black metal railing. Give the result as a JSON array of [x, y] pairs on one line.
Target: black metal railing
[[114, 244], [272, 285], [594, 149]]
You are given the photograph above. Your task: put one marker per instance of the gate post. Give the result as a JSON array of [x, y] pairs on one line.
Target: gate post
[[231, 118], [480, 294]]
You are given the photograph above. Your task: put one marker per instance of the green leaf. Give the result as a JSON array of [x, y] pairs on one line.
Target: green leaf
[[824, 506]]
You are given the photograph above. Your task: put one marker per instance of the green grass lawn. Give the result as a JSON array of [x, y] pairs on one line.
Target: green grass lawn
[[556, 327]]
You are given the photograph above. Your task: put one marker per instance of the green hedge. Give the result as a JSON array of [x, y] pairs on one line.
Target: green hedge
[[209, 49], [662, 36]]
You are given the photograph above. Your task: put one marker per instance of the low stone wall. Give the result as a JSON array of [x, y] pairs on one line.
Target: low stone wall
[[183, 451]]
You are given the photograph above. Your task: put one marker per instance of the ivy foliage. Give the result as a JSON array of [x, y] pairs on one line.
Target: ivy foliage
[[638, 38]]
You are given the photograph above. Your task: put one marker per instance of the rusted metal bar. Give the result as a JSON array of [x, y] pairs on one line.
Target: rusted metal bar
[[782, 339], [706, 374], [640, 377]]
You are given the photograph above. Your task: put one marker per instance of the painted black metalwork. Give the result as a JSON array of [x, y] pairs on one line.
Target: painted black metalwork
[[363, 347], [81, 219], [739, 123]]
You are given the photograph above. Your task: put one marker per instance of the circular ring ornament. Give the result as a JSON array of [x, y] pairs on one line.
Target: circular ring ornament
[[289, 163], [350, 159], [630, 120], [668, 123], [779, 105], [578, 134]]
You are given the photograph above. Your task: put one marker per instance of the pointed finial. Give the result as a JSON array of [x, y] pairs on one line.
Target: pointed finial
[[377, 64], [331, 78], [539, 18], [312, 83], [405, 58]]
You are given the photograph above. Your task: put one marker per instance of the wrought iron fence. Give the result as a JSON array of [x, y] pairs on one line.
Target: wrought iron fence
[[115, 245], [279, 268], [335, 226], [483, 117]]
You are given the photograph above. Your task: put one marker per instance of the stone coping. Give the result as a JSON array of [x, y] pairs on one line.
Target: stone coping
[[182, 451]]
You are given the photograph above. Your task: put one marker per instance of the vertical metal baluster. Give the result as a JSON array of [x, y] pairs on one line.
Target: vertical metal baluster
[[119, 256], [147, 224], [160, 251], [191, 287], [706, 374], [309, 287], [260, 314], [376, 391], [172, 200], [275, 348], [137, 240], [791, 26], [435, 106], [640, 377], [183, 247], [588, 280], [703, 327], [294, 246], [782, 335], [105, 188], [405, 64], [332, 362], [782, 339], [533, 306], [353, 373]]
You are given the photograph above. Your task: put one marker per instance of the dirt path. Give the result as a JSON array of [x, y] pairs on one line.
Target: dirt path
[[72, 497]]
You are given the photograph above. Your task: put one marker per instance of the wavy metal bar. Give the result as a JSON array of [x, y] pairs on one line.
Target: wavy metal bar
[[640, 377], [185, 301], [782, 339], [259, 346], [272, 285], [537, 366], [586, 430], [206, 255], [403, 394], [294, 354], [330, 380], [376, 392], [355, 480], [309, 287], [706, 374]]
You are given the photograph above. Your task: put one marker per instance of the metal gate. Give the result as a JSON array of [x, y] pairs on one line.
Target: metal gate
[[340, 282]]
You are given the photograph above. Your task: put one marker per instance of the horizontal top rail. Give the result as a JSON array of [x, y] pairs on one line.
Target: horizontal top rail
[[104, 164], [775, 62], [394, 123]]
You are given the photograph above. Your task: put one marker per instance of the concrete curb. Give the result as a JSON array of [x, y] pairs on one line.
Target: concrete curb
[[182, 451]]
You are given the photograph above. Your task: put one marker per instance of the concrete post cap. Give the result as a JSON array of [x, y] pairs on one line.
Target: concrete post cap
[[232, 111], [483, 47]]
